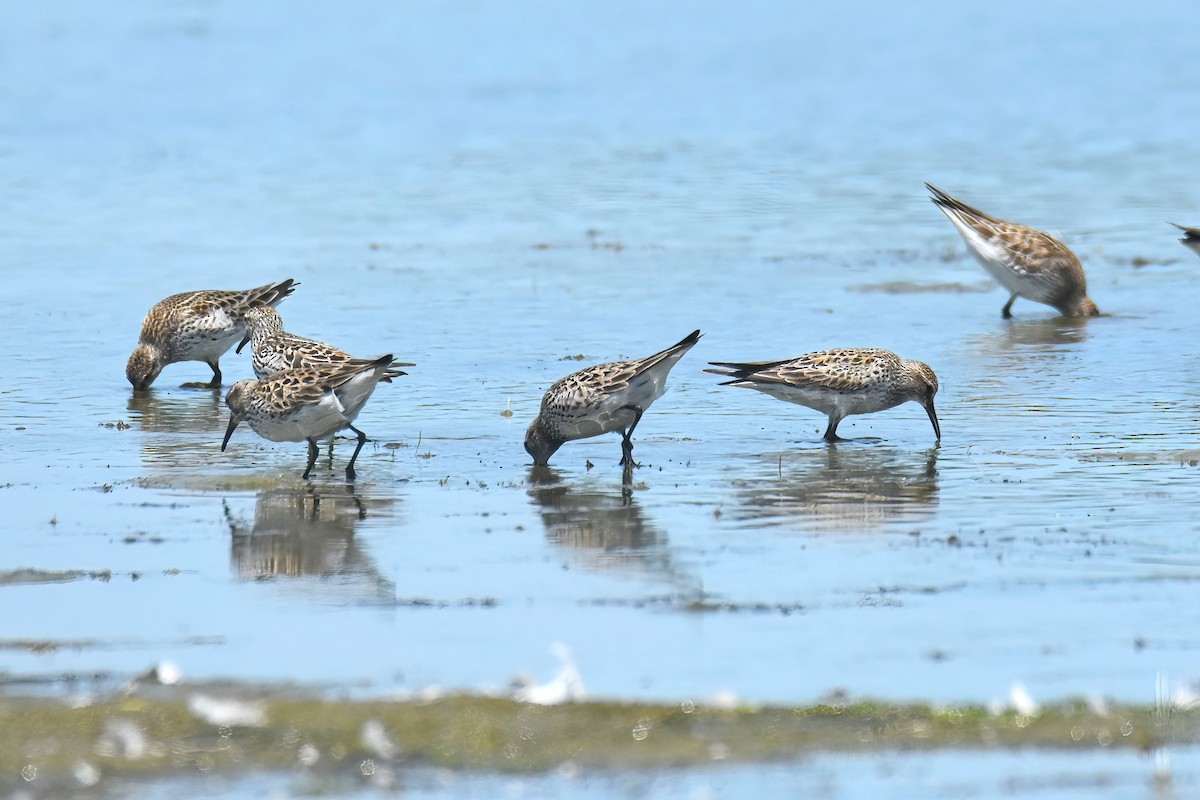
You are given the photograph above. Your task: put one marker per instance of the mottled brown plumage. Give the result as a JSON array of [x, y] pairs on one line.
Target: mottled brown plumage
[[196, 326], [840, 382], [602, 399], [272, 349], [1025, 261]]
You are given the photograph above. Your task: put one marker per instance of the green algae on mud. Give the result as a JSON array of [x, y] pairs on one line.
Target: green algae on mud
[[165, 732], [211, 482]]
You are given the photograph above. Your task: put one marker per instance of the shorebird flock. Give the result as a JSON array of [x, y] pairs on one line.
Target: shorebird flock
[[306, 390]]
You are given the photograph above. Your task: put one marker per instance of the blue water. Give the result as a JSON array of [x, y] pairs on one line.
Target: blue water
[[486, 189], [916, 774]]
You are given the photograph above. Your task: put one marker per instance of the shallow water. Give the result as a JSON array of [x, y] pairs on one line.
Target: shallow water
[[912, 774], [492, 191]]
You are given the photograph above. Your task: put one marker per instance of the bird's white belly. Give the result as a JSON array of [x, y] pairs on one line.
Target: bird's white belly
[[992, 256], [615, 411], [312, 421], [1003, 274], [840, 404], [210, 349], [604, 420]]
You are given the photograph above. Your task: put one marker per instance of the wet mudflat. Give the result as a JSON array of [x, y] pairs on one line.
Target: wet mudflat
[[587, 186]]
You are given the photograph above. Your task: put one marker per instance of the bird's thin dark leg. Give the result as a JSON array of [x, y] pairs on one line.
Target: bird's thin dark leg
[[362, 439], [831, 431], [1006, 312], [312, 458], [215, 383], [627, 437], [627, 482]]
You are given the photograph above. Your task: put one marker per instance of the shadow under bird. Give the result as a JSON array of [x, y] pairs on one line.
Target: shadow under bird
[[196, 326], [1190, 238], [307, 403], [1025, 261], [840, 382], [604, 398], [272, 349]]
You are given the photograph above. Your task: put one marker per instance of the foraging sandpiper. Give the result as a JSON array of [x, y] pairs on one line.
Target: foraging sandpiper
[[602, 399], [196, 326], [1025, 261], [840, 382], [307, 403]]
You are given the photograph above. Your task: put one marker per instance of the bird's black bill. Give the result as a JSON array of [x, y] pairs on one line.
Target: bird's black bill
[[233, 423], [243, 343], [937, 429]]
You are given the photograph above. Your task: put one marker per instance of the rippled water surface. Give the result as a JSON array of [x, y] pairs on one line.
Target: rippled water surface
[[505, 193], [1039, 776]]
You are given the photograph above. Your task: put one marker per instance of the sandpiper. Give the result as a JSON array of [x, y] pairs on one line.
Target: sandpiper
[[273, 349], [196, 326], [602, 399], [307, 403], [1191, 237], [840, 382], [1025, 261]]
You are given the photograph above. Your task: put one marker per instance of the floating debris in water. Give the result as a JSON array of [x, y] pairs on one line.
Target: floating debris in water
[[376, 740], [1019, 700], [724, 699], [165, 672], [228, 711], [566, 685]]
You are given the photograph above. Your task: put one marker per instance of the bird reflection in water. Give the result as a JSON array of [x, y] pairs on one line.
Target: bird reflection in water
[[1041, 351], [308, 532], [183, 424], [1018, 339], [843, 487], [604, 530]]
